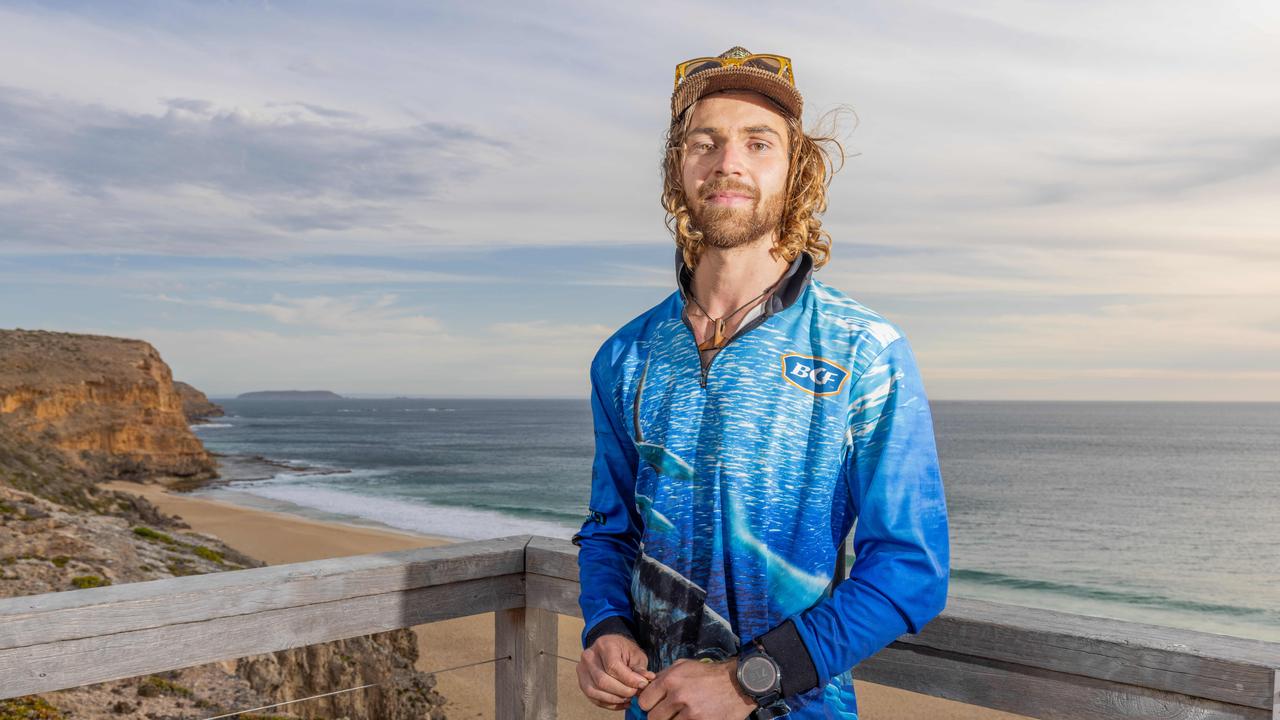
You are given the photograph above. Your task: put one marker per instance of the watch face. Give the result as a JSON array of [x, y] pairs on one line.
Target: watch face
[[758, 674]]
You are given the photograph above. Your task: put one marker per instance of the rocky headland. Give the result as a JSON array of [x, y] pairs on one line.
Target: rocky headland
[[196, 406], [76, 410], [289, 395]]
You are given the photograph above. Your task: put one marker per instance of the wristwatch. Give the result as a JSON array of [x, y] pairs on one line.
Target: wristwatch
[[759, 677]]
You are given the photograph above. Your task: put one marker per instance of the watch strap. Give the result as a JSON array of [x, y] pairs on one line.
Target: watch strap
[[774, 709]]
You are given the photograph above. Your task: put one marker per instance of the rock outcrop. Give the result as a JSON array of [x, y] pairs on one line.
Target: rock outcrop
[[196, 406], [107, 403]]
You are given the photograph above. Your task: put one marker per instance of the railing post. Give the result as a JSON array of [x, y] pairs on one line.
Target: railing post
[[525, 685]]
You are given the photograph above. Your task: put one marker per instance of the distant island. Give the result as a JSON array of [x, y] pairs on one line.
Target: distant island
[[290, 395]]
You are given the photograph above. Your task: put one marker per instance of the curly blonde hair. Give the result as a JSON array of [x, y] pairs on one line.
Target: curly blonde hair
[[808, 177]]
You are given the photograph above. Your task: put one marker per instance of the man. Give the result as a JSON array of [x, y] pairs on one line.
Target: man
[[742, 425]]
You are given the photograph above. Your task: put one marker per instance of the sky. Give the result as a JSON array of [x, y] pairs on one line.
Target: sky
[[1053, 200]]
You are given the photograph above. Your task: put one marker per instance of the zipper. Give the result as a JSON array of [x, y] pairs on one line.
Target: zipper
[[704, 369]]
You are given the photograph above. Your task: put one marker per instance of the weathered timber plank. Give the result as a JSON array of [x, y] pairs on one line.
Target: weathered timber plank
[[1035, 692], [1275, 698], [84, 661], [552, 593], [1233, 670], [525, 682], [36, 619], [550, 556]]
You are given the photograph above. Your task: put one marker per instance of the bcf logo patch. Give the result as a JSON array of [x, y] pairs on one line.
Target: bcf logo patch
[[813, 374]]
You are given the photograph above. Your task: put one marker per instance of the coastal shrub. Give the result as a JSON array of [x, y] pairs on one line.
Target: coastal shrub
[[148, 533], [154, 686], [29, 707], [60, 561], [208, 554], [89, 581]]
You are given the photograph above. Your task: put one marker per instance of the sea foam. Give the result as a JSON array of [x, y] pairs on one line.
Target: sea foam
[[407, 514]]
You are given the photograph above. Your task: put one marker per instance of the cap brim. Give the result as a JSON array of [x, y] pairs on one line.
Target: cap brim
[[737, 77]]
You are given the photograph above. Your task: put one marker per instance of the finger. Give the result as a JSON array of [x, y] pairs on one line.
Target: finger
[[587, 681], [619, 669], [602, 680], [645, 673], [666, 709], [602, 698], [641, 665], [651, 695]]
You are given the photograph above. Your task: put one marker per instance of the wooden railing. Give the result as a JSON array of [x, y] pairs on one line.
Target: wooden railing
[[1037, 663]]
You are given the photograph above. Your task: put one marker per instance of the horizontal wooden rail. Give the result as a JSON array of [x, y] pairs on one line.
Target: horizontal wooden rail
[[1038, 663], [80, 637]]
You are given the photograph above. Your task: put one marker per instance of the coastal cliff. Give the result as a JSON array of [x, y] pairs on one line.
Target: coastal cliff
[[108, 404], [76, 410]]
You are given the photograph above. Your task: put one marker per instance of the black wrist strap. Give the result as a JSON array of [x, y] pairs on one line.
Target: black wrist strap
[[785, 646]]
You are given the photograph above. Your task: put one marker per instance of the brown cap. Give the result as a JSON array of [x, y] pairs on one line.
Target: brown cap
[[736, 77]]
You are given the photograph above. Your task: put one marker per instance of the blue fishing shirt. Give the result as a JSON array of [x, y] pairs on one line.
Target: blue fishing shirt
[[721, 496]]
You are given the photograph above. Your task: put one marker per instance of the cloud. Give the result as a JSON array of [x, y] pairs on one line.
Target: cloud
[[50, 271], [285, 149], [351, 314], [278, 172]]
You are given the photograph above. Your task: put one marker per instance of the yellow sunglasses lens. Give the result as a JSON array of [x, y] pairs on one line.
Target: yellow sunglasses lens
[[765, 63], [698, 67], [775, 64]]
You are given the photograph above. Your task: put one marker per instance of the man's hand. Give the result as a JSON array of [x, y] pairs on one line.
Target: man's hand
[[612, 671], [694, 690]]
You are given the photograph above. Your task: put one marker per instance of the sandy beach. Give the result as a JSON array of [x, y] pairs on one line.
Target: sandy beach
[[278, 538]]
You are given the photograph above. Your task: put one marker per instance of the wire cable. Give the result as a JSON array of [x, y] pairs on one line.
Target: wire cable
[[361, 687]]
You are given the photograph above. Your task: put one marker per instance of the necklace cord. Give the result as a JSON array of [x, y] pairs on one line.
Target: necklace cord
[[717, 340]]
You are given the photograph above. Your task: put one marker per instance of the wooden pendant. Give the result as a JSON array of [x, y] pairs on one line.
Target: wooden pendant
[[716, 340]]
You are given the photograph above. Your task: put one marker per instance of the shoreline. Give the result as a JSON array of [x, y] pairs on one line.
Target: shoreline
[[228, 495], [278, 537]]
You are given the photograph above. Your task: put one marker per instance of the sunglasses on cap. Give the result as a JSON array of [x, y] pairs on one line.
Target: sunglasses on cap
[[776, 64]]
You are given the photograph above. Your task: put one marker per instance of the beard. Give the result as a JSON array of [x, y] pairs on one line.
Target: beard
[[730, 226]]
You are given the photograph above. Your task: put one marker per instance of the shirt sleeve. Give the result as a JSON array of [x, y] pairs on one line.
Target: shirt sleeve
[[609, 540], [899, 578]]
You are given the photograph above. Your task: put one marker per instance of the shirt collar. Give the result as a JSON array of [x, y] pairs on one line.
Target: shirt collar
[[793, 282]]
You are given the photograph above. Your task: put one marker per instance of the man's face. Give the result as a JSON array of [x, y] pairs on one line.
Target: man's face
[[735, 167]]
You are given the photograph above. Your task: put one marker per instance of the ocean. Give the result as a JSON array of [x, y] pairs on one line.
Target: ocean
[[1163, 513]]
